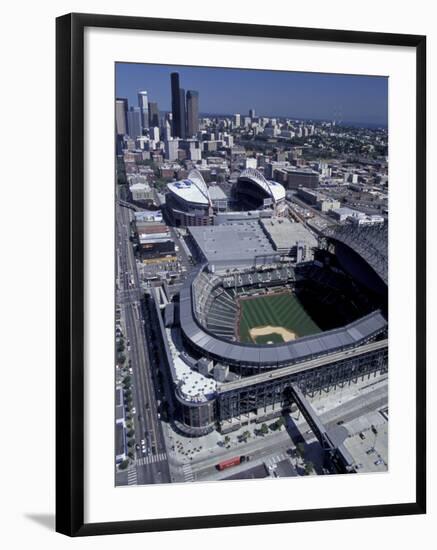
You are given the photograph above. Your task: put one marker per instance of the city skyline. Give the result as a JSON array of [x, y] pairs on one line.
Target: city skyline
[[316, 96]]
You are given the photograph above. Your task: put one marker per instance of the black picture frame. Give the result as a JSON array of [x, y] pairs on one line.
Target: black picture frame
[[70, 273]]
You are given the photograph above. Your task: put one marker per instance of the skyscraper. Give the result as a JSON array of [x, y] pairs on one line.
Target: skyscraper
[[121, 116], [143, 104], [192, 112], [134, 125], [183, 113], [153, 114], [252, 113], [178, 107], [237, 119]]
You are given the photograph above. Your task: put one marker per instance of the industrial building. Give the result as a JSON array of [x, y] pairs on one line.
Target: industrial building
[[301, 178], [356, 217], [317, 199], [290, 239], [141, 192], [154, 238], [240, 244]]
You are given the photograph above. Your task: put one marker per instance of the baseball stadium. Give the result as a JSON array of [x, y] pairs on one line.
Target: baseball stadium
[[269, 305]]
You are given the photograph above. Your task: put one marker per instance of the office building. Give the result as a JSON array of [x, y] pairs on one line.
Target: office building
[[178, 107], [171, 149], [121, 116], [183, 114], [134, 122], [153, 114], [302, 178], [154, 133], [192, 112], [143, 104]]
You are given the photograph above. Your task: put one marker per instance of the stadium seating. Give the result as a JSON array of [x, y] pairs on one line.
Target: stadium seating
[[215, 304]]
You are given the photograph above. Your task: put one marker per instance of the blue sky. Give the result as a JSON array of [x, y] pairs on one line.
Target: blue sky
[[352, 98]]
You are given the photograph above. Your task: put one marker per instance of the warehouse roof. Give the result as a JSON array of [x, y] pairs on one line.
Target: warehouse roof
[[283, 233], [235, 241]]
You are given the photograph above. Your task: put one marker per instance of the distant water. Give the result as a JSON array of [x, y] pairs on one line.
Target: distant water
[[352, 124], [370, 125]]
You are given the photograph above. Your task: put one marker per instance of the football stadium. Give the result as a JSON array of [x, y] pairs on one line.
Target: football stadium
[[190, 202]]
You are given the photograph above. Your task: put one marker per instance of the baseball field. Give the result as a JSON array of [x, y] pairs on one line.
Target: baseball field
[[274, 319]]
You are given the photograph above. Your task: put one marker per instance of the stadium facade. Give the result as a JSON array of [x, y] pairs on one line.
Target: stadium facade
[[221, 382]]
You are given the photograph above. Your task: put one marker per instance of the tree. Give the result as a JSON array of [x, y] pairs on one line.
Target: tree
[[309, 468], [123, 465], [300, 448], [227, 440], [264, 429]]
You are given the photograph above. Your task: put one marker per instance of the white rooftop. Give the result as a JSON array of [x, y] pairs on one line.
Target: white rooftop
[[193, 386], [272, 188], [192, 189], [277, 190], [139, 187]]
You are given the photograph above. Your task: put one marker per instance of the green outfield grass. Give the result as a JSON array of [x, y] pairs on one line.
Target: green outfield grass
[[283, 310]]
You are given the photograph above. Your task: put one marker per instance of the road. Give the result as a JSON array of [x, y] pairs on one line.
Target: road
[[261, 449], [151, 467]]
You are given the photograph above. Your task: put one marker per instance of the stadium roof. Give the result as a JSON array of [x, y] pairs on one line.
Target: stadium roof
[[275, 190], [193, 189], [371, 243], [273, 355]]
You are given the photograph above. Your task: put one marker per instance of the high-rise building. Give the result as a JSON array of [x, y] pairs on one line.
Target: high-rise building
[[143, 104], [237, 119], [171, 149], [252, 113], [153, 114], [183, 114], [192, 112], [167, 130], [121, 116], [154, 133], [134, 126], [178, 106]]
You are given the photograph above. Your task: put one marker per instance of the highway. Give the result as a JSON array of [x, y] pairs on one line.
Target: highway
[[151, 467]]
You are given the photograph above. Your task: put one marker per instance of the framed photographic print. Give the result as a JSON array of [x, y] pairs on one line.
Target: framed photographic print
[[240, 274]]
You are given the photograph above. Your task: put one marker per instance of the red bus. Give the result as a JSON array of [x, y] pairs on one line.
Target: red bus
[[231, 462]]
